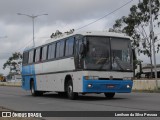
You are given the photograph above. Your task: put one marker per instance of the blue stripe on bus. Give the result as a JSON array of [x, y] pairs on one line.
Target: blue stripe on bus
[[27, 70], [101, 86]]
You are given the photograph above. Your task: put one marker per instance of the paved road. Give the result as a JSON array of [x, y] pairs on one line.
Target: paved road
[[17, 99]]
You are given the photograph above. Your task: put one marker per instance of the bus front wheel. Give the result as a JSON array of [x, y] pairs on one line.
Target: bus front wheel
[[71, 95], [109, 95]]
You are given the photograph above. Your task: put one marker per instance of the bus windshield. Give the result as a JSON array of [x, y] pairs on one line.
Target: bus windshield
[[104, 53]]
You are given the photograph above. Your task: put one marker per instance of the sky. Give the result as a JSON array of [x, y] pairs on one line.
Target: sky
[[63, 15]]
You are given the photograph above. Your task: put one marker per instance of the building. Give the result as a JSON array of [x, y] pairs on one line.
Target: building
[[146, 69]]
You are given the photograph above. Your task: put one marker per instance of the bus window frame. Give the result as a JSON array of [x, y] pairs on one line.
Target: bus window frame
[[53, 59]]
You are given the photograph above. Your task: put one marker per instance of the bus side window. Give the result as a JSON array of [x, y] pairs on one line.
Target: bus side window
[[51, 51], [69, 47], [60, 49], [31, 56], [37, 56], [44, 53]]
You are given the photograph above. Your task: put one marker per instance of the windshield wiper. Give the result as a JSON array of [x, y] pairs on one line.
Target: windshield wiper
[[122, 65], [103, 60], [117, 60]]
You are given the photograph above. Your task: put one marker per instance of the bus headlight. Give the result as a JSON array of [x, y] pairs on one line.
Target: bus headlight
[[128, 86], [89, 85], [91, 77]]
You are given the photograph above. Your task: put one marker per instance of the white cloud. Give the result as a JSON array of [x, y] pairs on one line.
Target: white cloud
[[63, 15]]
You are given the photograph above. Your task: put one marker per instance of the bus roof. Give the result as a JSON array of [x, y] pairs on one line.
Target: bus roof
[[84, 33]]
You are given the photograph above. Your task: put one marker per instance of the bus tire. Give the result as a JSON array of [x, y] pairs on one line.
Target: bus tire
[[109, 95], [69, 88], [33, 91]]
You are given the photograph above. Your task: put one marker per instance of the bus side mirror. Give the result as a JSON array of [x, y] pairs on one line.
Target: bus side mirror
[[82, 50]]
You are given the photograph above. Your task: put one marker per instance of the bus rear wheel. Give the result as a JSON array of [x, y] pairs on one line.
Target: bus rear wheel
[[69, 88], [109, 95], [33, 91]]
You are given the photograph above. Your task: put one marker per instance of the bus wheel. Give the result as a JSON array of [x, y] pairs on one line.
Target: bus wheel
[[71, 95], [33, 91], [109, 95]]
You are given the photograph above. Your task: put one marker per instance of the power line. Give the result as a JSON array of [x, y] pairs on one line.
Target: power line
[[24, 45], [97, 19], [10, 52], [89, 23], [104, 16], [27, 43]]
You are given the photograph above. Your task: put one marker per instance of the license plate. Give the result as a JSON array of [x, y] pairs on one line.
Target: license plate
[[110, 86]]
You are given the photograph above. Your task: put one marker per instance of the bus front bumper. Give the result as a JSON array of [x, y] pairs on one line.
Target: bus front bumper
[[102, 86]]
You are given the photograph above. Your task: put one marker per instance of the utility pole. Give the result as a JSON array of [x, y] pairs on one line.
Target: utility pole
[[32, 17], [153, 45]]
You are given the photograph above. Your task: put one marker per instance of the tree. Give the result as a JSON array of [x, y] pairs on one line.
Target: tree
[[136, 25], [14, 62], [58, 33]]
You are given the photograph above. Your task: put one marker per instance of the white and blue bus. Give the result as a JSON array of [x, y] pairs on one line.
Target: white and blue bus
[[80, 63]]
